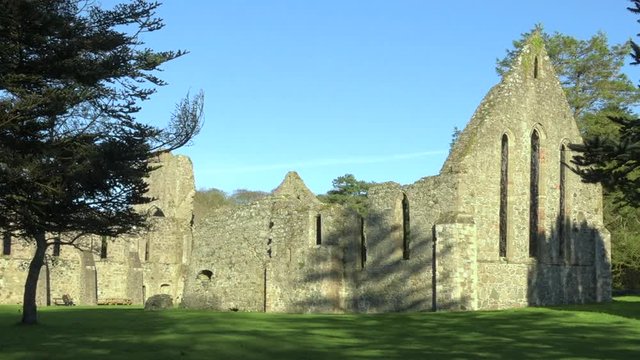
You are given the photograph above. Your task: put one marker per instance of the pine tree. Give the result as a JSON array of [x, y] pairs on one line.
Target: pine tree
[[614, 161], [73, 158]]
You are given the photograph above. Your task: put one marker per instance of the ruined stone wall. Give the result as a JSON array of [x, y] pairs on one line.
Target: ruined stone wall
[[455, 264], [398, 276], [434, 244], [528, 99], [13, 273], [269, 256], [162, 253], [384, 282], [172, 186], [227, 265], [88, 278], [112, 271], [65, 274]]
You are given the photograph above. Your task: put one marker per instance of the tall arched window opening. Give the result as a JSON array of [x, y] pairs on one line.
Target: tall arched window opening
[[406, 229], [562, 211], [363, 244], [534, 189], [504, 191]]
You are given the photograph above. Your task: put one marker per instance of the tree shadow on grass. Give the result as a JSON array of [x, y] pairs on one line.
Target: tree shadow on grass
[[628, 307], [532, 333]]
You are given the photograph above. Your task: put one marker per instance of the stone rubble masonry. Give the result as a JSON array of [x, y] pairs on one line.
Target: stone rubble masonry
[[430, 245], [136, 267]]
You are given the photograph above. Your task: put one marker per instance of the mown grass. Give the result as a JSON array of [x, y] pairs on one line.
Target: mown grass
[[601, 331]]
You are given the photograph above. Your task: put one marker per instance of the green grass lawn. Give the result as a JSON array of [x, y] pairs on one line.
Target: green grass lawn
[[602, 331]]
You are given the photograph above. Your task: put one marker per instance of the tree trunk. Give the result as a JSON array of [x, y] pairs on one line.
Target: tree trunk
[[29, 309]]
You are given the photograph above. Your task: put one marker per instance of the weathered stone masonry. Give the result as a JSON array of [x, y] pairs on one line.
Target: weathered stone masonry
[[103, 270], [434, 244], [504, 224]]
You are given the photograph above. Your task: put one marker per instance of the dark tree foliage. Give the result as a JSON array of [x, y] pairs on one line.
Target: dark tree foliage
[[349, 191], [72, 156], [613, 161]]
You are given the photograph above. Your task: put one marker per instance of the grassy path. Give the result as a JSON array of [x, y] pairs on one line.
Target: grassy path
[[603, 331]]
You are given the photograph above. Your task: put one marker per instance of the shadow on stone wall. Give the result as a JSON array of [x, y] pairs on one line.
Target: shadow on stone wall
[[575, 270], [386, 281]]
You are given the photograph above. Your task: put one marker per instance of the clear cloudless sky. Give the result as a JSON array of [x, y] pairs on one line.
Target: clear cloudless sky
[[368, 87]]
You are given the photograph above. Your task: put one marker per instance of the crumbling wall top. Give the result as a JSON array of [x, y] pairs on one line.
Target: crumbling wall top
[[172, 186], [294, 188]]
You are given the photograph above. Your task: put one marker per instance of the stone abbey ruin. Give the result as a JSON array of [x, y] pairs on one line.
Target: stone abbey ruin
[[505, 224]]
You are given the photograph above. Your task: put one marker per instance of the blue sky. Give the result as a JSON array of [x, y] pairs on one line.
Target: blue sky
[[368, 87]]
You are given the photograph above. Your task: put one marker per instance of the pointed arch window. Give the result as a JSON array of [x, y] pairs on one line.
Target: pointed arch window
[[562, 211], [534, 191], [504, 191], [406, 228], [363, 245]]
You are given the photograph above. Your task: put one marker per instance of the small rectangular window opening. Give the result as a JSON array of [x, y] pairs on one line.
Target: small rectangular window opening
[[6, 243], [363, 245], [103, 248], [146, 251], [319, 229], [56, 246]]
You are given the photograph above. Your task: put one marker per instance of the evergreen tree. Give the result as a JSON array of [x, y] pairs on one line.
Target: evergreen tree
[[72, 156], [349, 191], [590, 72], [614, 161], [610, 157]]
